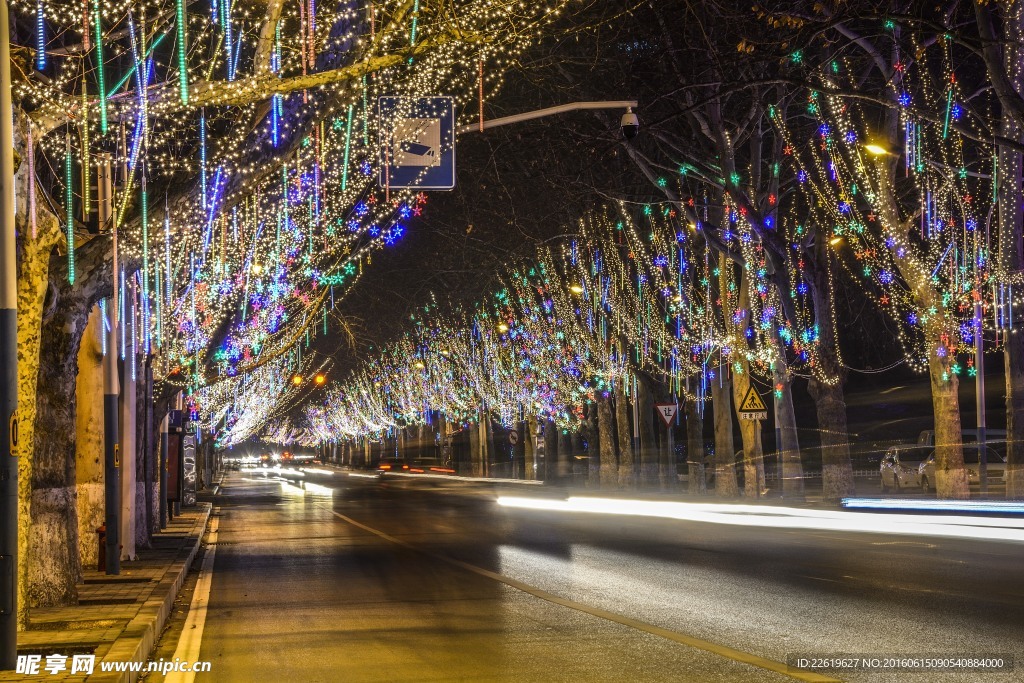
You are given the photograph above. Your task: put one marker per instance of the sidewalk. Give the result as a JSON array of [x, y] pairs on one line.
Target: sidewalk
[[118, 618]]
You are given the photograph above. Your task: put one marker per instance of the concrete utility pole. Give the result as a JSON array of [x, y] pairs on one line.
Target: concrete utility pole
[[127, 421], [979, 387], [8, 362], [111, 386], [147, 446], [165, 443]]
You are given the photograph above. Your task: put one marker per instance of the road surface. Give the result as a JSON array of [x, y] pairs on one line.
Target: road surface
[[330, 577]]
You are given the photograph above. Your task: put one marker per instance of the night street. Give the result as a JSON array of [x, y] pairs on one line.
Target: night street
[[408, 341], [324, 577]]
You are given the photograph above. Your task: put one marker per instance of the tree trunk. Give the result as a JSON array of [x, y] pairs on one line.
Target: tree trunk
[[750, 430], [826, 387], [54, 566], [32, 281], [609, 469], [565, 454], [550, 451], [950, 475], [89, 439], [474, 449], [483, 455], [750, 433], [695, 448], [1011, 230], [627, 478], [531, 447], [790, 468], [649, 465], [725, 459], [596, 441]]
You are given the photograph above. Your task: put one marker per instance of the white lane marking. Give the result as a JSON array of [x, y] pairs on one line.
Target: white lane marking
[[192, 634], [698, 643]]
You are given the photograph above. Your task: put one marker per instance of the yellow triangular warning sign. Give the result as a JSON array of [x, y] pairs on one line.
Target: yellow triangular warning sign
[[752, 402]]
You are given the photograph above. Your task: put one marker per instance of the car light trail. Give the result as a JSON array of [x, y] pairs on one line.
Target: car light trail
[[316, 470], [989, 528], [1005, 507]]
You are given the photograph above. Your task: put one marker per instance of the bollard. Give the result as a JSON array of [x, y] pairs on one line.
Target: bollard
[[101, 533]]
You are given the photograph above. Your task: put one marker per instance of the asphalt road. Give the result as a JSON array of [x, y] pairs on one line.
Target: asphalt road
[[339, 578]]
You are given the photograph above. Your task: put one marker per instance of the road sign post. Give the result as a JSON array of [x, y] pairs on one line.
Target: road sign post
[[417, 143], [667, 412], [752, 407]]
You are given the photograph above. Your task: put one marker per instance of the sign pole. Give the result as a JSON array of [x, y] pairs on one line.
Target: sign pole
[[668, 412]]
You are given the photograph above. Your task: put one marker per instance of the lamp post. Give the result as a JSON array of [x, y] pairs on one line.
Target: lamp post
[[550, 111], [111, 384], [8, 363]]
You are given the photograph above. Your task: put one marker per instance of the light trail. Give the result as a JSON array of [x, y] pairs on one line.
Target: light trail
[[1009, 506], [975, 528]]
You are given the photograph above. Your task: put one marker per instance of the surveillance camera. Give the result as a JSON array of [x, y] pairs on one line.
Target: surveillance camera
[[630, 124]]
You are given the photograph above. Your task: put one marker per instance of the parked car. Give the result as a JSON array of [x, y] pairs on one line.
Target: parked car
[[995, 467], [992, 436], [901, 466]]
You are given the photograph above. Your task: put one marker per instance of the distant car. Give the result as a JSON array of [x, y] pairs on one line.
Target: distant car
[[995, 468], [392, 465], [901, 466]]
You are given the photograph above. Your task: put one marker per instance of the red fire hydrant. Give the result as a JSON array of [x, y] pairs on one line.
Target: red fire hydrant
[[101, 533]]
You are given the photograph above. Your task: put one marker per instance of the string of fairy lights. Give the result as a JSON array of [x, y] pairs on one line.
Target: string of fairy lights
[[269, 208], [910, 214], [910, 218], [629, 294]]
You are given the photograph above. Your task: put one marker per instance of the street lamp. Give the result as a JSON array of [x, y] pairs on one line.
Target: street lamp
[[629, 123], [320, 379], [8, 362], [876, 150], [296, 380]]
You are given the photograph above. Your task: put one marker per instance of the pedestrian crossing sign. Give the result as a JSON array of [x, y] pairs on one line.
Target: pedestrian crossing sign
[[752, 407]]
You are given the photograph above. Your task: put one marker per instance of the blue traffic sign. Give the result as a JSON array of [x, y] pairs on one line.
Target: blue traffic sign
[[417, 142]]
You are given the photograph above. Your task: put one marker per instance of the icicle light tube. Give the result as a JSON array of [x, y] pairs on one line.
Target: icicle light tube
[[348, 147], [180, 16], [40, 37], [69, 208], [86, 173], [144, 210], [31, 154], [100, 81]]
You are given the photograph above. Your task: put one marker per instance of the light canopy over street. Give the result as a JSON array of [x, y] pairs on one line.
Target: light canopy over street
[[491, 340]]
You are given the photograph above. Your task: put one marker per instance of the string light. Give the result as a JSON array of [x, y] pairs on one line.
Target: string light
[[100, 81], [40, 37], [181, 26], [69, 209]]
